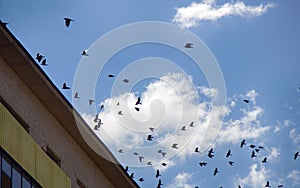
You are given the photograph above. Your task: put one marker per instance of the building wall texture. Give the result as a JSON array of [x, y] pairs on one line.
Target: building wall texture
[[47, 131]]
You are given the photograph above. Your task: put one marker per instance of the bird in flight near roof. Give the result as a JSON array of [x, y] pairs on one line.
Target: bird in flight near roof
[[296, 155], [175, 146], [126, 80], [76, 96], [84, 53], [149, 137], [243, 143], [91, 101], [39, 57], [189, 45], [138, 101], [65, 86], [68, 21], [44, 63]]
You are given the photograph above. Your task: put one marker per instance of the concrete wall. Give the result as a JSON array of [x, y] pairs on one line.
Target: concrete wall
[[47, 131]]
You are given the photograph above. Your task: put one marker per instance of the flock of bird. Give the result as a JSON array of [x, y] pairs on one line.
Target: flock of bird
[[255, 150]]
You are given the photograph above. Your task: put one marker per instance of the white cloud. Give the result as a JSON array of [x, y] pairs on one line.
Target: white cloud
[[288, 122], [247, 127], [295, 136], [274, 154], [257, 177], [294, 175], [207, 10], [182, 180]]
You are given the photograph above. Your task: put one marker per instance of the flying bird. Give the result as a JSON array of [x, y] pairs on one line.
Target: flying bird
[[137, 109], [120, 113], [175, 146], [151, 129], [159, 184], [138, 101], [231, 163], [164, 164], [188, 45], [243, 143], [135, 153], [210, 153], [96, 118], [216, 171], [260, 147], [132, 175], [280, 186], [149, 163], [99, 123], [149, 137], [84, 53], [228, 153], [76, 96], [246, 101], [163, 154], [197, 150], [141, 179], [267, 184], [125, 80], [44, 63], [192, 124], [202, 164], [65, 86], [252, 146], [296, 155], [126, 169], [157, 174], [91, 101], [68, 21], [183, 128], [141, 158], [256, 150], [39, 57], [253, 154], [264, 160], [111, 76], [121, 151]]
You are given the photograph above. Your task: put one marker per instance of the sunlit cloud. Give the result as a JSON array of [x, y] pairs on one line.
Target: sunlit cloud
[[294, 176], [182, 180]]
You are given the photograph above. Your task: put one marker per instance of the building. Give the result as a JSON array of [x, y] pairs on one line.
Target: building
[[40, 143]]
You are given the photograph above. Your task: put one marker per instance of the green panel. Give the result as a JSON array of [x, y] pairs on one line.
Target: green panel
[[20, 146]]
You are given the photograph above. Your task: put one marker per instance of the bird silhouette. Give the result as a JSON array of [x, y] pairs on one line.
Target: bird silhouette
[[138, 101], [111, 76], [164, 164], [197, 150], [183, 128], [296, 155], [228, 153], [188, 45], [68, 21], [267, 184], [163, 154], [239, 186], [149, 137], [137, 109], [202, 164], [135, 153], [91, 101], [99, 123], [101, 107], [149, 163], [231, 163], [141, 179], [121, 151], [252, 146], [264, 160], [256, 150], [280, 186], [44, 63], [76, 96], [210, 153], [216, 171], [39, 57], [246, 101], [260, 147], [253, 154], [84, 53], [126, 169], [132, 175], [151, 129], [192, 124], [65, 86], [141, 158], [96, 118], [243, 143], [175, 146], [157, 174], [159, 184], [125, 80], [120, 113]]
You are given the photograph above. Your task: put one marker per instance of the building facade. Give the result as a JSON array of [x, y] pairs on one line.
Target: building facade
[[40, 144]]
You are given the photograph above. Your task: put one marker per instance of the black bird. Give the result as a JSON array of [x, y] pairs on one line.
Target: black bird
[[99, 123], [264, 160], [188, 45], [141, 158], [163, 154], [137, 109], [76, 96], [280, 186], [141, 179], [228, 153], [68, 21], [151, 129], [118, 103], [111, 76], [135, 153], [192, 124], [243, 143], [39, 57], [132, 175], [149, 137], [260, 147], [210, 153], [65, 86], [197, 150], [84, 53], [96, 127], [159, 184], [216, 171], [164, 164], [231, 163], [138, 101], [267, 184], [157, 174], [120, 113], [202, 164], [96, 118], [121, 151], [296, 155], [101, 107], [246, 101], [149, 163], [126, 169], [257, 150], [252, 146], [239, 186], [91, 101], [183, 128], [253, 154], [175, 146], [125, 80], [44, 63]]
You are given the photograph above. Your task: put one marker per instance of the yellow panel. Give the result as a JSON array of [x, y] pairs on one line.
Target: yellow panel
[[19, 145]]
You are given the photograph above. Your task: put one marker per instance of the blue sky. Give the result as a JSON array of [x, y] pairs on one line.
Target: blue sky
[[256, 44]]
